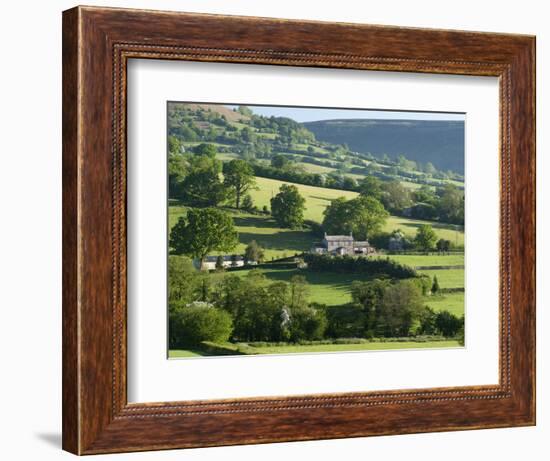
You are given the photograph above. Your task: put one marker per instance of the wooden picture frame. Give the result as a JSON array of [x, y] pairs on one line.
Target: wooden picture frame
[[97, 43]]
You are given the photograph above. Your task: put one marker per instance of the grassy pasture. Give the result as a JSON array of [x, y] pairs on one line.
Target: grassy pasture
[[429, 260], [316, 169], [317, 198], [409, 226], [450, 278], [452, 302], [325, 287], [277, 242]]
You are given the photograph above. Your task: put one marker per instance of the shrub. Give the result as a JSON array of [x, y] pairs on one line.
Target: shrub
[[248, 203], [307, 324], [198, 322], [424, 283], [448, 324]]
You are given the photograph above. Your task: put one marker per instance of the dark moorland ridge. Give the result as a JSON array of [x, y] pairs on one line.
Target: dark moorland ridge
[[436, 141]]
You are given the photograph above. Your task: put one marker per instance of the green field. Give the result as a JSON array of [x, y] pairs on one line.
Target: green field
[[277, 242], [327, 288], [430, 260], [316, 169], [317, 198], [289, 349], [452, 302], [330, 288], [333, 289], [409, 226], [450, 278]]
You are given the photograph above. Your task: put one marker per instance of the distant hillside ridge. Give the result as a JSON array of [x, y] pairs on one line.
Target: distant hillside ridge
[[436, 141], [228, 113]]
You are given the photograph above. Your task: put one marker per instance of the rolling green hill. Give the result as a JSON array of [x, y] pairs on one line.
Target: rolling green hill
[[285, 242]]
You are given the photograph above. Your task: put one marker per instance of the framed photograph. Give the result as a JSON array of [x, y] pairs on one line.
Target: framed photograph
[[284, 230]]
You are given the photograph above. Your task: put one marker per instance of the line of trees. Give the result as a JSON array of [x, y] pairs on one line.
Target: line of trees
[[349, 264]]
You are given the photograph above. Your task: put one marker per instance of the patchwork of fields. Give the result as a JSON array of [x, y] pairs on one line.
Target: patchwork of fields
[[263, 317], [334, 288]]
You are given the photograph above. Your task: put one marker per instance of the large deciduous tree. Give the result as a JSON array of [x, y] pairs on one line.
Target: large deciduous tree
[[202, 186], [203, 231], [426, 238], [239, 178], [401, 307], [395, 196], [287, 207], [371, 187], [208, 150], [363, 216], [451, 204]]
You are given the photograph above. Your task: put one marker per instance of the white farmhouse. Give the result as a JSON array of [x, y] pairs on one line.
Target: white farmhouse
[[340, 245]]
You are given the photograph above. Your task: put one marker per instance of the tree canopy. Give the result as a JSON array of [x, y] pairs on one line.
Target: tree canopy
[[239, 178], [426, 237], [364, 216], [395, 196], [202, 186], [287, 207], [371, 186], [451, 204], [254, 252], [203, 231]]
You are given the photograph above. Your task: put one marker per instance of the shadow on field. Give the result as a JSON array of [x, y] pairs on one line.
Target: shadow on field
[[320, 197], [334, 280], [254, 221], [435, 225], [292, 241]]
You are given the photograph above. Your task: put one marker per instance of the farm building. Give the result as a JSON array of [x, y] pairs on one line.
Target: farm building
[[209, 262], [341, 245]]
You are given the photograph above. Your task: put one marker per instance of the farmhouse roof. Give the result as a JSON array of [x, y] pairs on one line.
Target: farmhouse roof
[[330, 238]]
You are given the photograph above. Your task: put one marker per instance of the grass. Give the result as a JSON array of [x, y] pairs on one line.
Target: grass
[[409, 226], [450, 278], [184, 354], [317, 198], [327, 288], [452, 302], [429, 260], [316, 169], [277, 242], [374, 346], [334, 289]]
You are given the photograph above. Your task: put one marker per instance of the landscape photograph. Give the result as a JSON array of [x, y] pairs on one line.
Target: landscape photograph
[[313, 230]]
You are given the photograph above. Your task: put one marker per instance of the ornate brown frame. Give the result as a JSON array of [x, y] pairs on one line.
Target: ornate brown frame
[[97, 43]]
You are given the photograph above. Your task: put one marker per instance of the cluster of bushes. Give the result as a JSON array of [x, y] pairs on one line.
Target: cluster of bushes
[[240, 309], [368, 266], [384, 309]]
